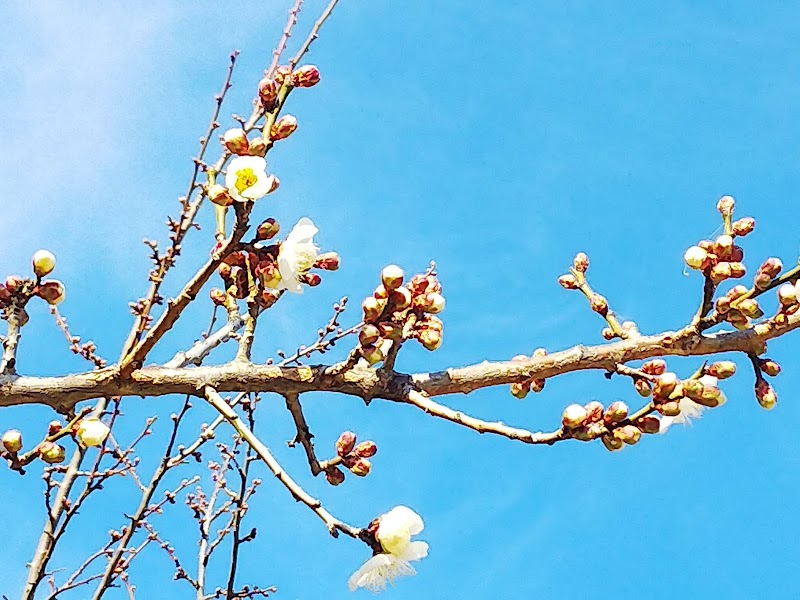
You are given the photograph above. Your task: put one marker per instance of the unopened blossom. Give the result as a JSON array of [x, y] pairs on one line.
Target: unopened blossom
[[691, 409], [44, 262], [394, 532], [247, 178], [297, 255], [92, 432]]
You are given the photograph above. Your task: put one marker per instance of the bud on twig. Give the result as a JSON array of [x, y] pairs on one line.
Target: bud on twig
[[574, 416], [12, 440], [345, 443], [44, 262], [235, 140], [306, 76], [283, 128]]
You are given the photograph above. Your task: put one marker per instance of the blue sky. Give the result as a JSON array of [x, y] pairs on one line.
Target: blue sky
[[497, 139]]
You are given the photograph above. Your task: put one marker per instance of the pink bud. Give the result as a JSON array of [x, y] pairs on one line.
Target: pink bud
[[345, 443], [327, 261], [219, 195], [599, 304], [722, 369], [770, 367], [268, 229], [765, 395], [361, 467], [366, 449], [235, 140], [744, 226], [268, 92], [725, 206], [568, 282], [334, 475], [283, 128], [616, 412], [306, 76], [581, 262]]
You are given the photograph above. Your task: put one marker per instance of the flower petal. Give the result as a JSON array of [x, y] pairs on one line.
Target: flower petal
[[415, 551], [402, 516], [302, 232]]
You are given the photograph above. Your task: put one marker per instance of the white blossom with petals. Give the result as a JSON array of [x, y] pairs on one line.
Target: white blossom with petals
[[247, 179], [689, 408], [395, 529], [297, 255]]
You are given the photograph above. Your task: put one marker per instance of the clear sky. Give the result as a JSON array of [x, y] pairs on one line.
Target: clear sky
[[497, 139]]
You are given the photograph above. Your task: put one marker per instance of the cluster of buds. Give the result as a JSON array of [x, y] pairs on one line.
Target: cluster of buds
[[354, 457], [269, 87], [521, 390], [254, 273], [721, 259], [789, 301], [396, 312], [737, 307], [15, 291], [611, 425], [669, 393]]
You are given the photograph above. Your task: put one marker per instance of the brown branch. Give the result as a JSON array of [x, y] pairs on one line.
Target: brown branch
[[64, 392], [287, 32], [11, 342], [333, 524], [314, 34], [304, 435]]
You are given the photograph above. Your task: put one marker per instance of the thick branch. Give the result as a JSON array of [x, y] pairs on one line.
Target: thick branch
[[64, 392]]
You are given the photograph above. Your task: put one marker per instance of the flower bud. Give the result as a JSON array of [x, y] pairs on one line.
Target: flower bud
[[574, 416], [334, 475], [771, 267], [327, 261], [720, 272], [765, 394], [594, 411], [268, 92], [92, 432], [306, 76], [219, 195], [612, 443], [537, 385], [726, 205], [629, 434], [235, 140], [655, 367], [568, 282], [13, 283], [258, 147], [369, 334], [649, 424], [268, 229], [722, 369], [669, 409], [51, 453], [53, 292], [665, 385], [599, 304], [750, 308], [267, 298], [711, 397], [692, 388], [373, 308], [616, 412], [366, 449], [281, 73], [762, 281], [390, 331], [400, 299], [361, 467], [311, 279], [345, 443], [643, 387], [372, 354], [431, 303], [787, 294], [12, 440], [738, 270], [744, 226], [283, 128], [589, 432], [520, 390], [392, 277], [723, 245], [608, 333], [581, 262], [44, 262], [430, 338], [769, 367], [218, 297]]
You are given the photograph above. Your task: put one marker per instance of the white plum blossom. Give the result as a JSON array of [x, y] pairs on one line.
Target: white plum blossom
[[394, 532], [92, 432], [247, 179], [689, 408], [297, 255]]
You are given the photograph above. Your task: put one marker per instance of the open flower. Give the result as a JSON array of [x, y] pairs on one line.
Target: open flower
[[394, 532], [247, 178], [689, 408], [297, 255]]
